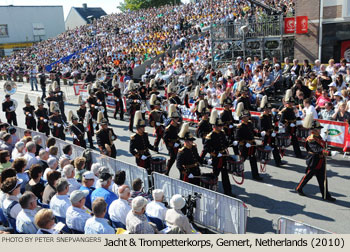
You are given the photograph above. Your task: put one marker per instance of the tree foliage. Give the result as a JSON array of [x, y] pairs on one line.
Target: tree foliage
[[143, 4]]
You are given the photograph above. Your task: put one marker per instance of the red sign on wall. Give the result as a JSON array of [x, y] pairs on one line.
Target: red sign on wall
[[345, 50], [302, 24], [289, 25]]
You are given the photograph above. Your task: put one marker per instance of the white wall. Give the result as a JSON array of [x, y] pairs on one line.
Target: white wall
[[74, 19], [20, 21]]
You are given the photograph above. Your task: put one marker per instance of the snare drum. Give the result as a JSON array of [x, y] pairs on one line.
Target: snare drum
[[302, 133], [235, 165], [209, 181], [283, 140], [264, 154], [158, 164]]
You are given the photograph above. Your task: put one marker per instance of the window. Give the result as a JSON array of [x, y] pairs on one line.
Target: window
[[3, 30]]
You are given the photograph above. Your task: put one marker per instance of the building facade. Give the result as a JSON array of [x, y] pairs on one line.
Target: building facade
[[82, 15]]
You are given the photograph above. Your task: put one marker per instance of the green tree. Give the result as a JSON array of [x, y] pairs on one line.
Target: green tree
[[143, 4]]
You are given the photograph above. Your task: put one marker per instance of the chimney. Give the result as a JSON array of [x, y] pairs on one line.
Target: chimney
[[84, 6]]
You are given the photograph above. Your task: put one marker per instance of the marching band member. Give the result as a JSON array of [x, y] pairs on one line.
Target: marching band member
[[42, 115], [91, 100], [204, 127], [188, 159], [77, 130], [316, 159], [56, 121], [105, 137], [61, 98], [268, 130], [216, 144], [135, 103], [139, 143], [228, 120], [29, 113], [172, 96], [244, 98], [51, 97], [9, 107], [91, 120], [118, 100], [156, 119], [247, 145], [101, 99], [171, 137], [81, 112], [289, 119]]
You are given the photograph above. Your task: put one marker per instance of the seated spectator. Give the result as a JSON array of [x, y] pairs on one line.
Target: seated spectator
[[309, 109], [120, 208], [15, 139], [104, 169], [77, 214], [6, 173], [67, 152], [60, 201], [136, 220], [38, 142], [36, 184], [53, 151], [98, 224], [45, 221], [25, 218], [137, 190], [79, 164], [7, 143], [88, 181], [105, 181], [30, 155], [4, 160], [62, 163], [51, 141], [52, 166], [43, 157], [323, 100], [11, 186], [119, 180], [341, 114], [311, 82], [327, 112], [156, 208], [18, 151], [95, 169], [69, 173], [50, 188], [19, 165], [174, 216]]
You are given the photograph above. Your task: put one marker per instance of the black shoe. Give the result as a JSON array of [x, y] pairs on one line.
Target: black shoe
[[300, 156], [330, 199], [258, 178], [300, 192], [231, 195], [279, 164]]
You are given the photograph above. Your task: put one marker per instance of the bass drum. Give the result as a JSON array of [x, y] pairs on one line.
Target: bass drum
[[209, 181], [158, 164], [263, 153], [283, 140], [235, 165]]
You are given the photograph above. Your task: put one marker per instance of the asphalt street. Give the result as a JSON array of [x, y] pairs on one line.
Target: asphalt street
[[267, 200]]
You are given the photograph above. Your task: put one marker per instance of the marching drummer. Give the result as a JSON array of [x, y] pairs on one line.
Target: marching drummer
[[247, 145], [105, 137], [81, 112], [156, 119], [77, 130], [316, 159], [139, 143], [29, 113], [42, 115], [216, 144], [188, 159], [56, 121], [9, 107], [289, 119], [268, 130]]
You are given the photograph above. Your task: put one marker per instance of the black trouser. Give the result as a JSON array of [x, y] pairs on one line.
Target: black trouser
[[31, 123], [250, 153], [159, 135], [105, 112], [269, 140], [119, 107], [131, 120], [172, 153], [61, 105], [11, 118], [296, 146], [320, 175], [276, 155], [43, 89], [220, 165], [43, 128]]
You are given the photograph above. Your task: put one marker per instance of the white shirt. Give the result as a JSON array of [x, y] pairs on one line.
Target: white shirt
[[76, 218], [98, 226], [15, 154], [47, 170], [31, 159], [73, 185], [59, 205], [156, 209], [25, 221], [115, 189], [118, 210], [110, 188], [15, 209], [311, 110]]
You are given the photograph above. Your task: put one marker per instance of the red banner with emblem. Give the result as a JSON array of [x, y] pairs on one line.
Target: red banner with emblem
[[289, 25], [302, 24], [345, 50]]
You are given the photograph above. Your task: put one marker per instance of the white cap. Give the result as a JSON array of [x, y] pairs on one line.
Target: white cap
[[177, 202], [88, 175], [158, 194], [220, 79], [332, 84], [138, 203], [77, 195], [338, 93], [276, 65], [230, 66]]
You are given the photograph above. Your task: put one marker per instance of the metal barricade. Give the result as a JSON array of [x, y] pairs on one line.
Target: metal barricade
[[214, 210], [289, 226]]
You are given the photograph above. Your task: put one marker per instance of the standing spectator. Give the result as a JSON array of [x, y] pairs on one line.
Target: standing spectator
[[120, 208], [25, 218], [50, 188], [77, 214], [60, 202], [98, 224], [136, 221], [33, 81], [156, 208]]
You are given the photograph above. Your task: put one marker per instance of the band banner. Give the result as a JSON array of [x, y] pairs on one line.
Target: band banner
[[302, 24], [289, 25]]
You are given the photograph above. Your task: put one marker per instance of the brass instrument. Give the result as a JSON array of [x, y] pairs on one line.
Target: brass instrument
[[101, 75], [10, 87]]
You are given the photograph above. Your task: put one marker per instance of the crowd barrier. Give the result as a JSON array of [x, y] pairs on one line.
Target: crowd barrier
[[132, 171], [214, 210], [289, 226]]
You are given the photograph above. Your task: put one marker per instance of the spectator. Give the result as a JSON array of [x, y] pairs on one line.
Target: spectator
[[38, 142], [327, 112], [6, 173], [52, 166], [69, 173], [11, 187], [51, 141], [88, 182], [77, 214], [63, 162], [137, 190], [19, 165], [120, 208], [104, 169], [36, 184], [79, 164], [98, 224], [341, 114], [323, 100], [53, 151], [60, 201], [25, 218], [30, 155], [136, 221], [67, 152], [45, 221], [311, 82], [174, 216], [50, 188], [95, 169], [309, 109], [7, 143], [4, 160], [18, 151], [156, 208], [324, 80], [119, 180], [14, 137], [43, 157]]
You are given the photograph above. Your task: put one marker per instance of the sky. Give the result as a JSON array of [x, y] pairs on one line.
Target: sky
[[109, 6]]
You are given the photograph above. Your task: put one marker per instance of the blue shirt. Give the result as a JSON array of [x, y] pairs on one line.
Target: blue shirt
[[106, 194], [98, 226], [88, 198]]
